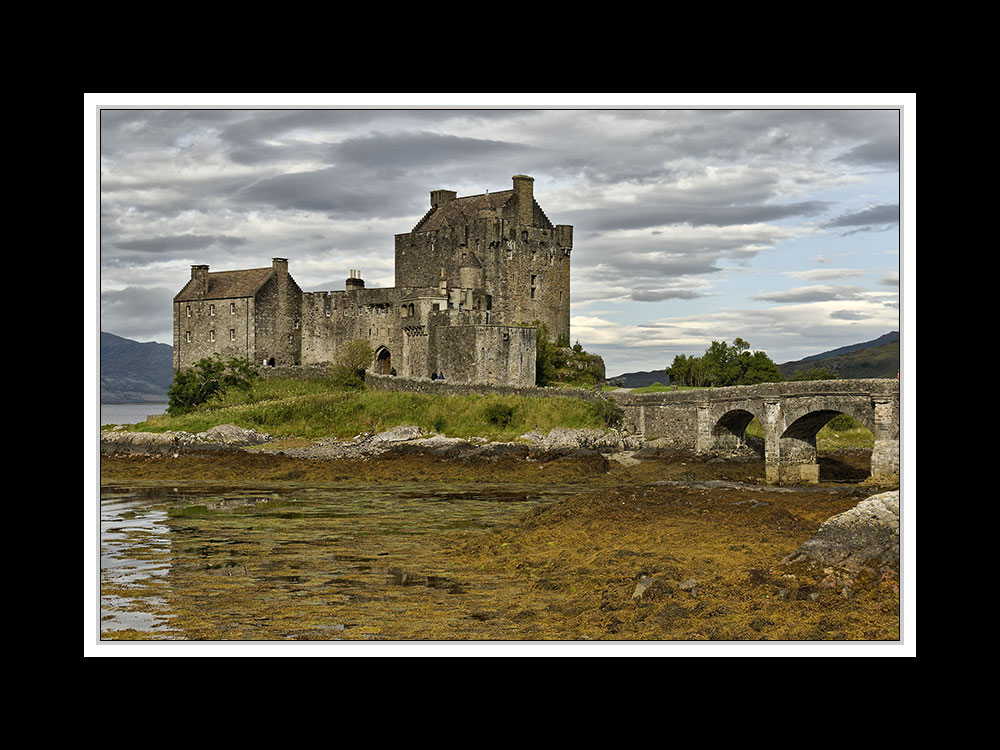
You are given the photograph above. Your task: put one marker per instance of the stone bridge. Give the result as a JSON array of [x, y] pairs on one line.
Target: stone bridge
[[716, 419]]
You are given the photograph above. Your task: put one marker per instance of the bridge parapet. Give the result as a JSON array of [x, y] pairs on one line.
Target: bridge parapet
[[791, 414]]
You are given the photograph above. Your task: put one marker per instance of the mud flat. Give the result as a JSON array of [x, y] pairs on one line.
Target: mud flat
[[664, 547]]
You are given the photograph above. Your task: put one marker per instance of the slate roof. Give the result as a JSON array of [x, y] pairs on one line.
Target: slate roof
[[228, 284], [462, 210]]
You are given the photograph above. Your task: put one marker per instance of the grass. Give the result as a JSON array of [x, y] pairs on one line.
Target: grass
[[315, 409], [840, 432]]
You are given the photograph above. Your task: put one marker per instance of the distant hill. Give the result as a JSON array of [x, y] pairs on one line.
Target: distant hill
[[134, 372], [640, 379], [878, 358]]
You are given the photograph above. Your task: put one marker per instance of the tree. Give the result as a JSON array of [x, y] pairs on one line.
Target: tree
[[352, 360], [722, 365], [208, 378]]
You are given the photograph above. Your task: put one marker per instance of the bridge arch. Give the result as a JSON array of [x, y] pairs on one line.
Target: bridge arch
[[798, 455], [729, 428]]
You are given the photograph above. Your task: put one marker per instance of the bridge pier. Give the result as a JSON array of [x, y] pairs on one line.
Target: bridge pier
[[791, 414], [885, 454]]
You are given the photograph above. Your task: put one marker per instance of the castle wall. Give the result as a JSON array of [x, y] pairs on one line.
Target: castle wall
[[332, 319], [487, 354], [277, 319], [203, 328]]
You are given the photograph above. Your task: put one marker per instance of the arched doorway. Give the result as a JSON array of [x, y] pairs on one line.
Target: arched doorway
[[383, 361]]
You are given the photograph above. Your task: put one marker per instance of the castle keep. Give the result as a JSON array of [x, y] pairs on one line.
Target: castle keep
[[469, 278]]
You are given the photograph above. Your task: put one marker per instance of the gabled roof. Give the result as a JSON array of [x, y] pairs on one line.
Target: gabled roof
[[227, 284], [462, 210]]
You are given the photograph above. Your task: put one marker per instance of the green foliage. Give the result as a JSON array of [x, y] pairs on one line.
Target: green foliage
[[352, 361], [609, 412], [499, 415], [290, 408], [209, 378], [547, 356], [723, 365], [843, 422]]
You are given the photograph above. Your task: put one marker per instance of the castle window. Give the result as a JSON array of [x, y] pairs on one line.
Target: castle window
[[211, 335], [328, 312], [533, 279], [189, 310], [232, 308], [295, 324], [187, 336], [232, 334], [211, 310]]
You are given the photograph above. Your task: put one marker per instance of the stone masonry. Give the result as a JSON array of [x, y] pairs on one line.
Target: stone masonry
[[473, 278]]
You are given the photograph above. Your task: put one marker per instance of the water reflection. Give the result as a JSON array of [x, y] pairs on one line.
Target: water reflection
[[321, 562]]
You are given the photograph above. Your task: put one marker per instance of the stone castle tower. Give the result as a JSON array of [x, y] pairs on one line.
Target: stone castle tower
[[471, 278]]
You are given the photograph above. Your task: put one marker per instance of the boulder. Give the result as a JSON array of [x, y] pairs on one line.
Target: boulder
[[866, 537]]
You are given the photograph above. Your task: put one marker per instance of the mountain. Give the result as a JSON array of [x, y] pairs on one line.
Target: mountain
[[134, 372], [878, 358], [640, 379]]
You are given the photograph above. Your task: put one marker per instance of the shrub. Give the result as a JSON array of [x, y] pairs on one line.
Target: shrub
[[609, 412], [208, 378], [352, 361], [499, 415]]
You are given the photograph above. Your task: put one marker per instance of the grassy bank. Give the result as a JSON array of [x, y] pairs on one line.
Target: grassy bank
[[314, 409]]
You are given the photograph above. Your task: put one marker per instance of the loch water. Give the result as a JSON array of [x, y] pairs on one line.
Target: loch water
[[188, 561]]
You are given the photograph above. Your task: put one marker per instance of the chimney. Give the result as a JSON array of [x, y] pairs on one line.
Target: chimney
[[280, 265], [524, 194], [199, 275], [440, 197], [354, 282]]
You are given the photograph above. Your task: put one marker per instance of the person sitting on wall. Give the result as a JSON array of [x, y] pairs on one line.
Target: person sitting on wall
[[434, 376], [440, 375]]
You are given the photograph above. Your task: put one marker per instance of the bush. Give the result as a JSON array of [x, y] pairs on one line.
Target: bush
[[609, 412], [209, 378], [499, 415], [352, 361]]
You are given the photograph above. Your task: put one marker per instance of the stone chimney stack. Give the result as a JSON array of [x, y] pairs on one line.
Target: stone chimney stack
[[524, 194], [354, 282], [280, 265], [199, 275], [440, 197]]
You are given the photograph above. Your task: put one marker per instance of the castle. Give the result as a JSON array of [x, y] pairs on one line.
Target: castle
[[470, 278]]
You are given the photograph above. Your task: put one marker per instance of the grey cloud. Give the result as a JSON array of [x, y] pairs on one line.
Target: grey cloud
[[180, 242], [333, 190], [885, 214], [641, 217], [848, 315], [811, 294], [138, 313], [659, 295], [409, 150], [879, 152]]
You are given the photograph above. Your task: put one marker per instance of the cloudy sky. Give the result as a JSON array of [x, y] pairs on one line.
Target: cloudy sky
[[777, 225]]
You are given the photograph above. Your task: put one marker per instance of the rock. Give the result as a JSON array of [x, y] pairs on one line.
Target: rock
[[563, 439], [230, 434], [642, 587], [864, 537], [688, 585]]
